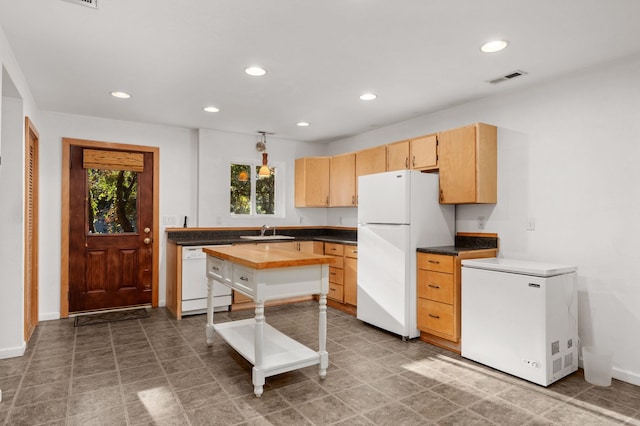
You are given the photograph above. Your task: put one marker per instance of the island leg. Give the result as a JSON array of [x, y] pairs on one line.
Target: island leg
[[258, 374], [322, 335], [210, 330]]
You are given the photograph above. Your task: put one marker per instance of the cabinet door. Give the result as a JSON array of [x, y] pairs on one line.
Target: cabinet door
[[312, 182], [398, 156], [468, 165], [305, 246], [424, 152], [350, 280], [342, 178], [370, 161]]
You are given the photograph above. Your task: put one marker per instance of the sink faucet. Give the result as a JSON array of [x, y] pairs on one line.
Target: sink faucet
[[264, 229]]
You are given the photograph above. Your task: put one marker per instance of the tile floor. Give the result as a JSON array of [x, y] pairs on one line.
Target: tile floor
[[160, 371]]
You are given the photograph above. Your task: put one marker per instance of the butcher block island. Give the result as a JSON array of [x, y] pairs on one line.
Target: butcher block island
[[264, 274]]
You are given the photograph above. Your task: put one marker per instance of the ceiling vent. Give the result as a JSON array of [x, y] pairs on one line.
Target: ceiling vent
[[507, 77], [89, 3]]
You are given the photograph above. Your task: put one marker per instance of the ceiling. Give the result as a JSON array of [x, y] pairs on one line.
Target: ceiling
[[418, 56]]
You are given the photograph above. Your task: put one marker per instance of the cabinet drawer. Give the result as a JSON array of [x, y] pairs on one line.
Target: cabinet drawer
[[435, 316], [435, 262], [333, 249], [338, 262], [336, 292], [436, 286], [215, 268], [336, 275], [243, 278], [351, 251]]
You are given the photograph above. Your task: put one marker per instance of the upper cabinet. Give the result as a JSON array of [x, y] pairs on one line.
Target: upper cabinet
[[342, 177], [468, 165], [466, 158], [312, 182], [370, 161], [419, 153], [398, 156]]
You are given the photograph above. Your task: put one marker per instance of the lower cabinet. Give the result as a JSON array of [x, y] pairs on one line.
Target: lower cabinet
[[438, 290], [343, 276]]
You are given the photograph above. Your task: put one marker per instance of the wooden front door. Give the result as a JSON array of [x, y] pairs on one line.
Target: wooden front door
[[111, 222]]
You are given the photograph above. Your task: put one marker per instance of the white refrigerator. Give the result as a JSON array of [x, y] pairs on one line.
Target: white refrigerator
[[397, 213]]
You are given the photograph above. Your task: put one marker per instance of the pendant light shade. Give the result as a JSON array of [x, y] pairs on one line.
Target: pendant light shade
[[264, 169], [243, 176]]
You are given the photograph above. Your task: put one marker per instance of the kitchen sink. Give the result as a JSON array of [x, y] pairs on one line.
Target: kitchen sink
[[266, 237]]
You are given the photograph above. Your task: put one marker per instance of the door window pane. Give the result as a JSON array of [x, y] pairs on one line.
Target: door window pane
[[113, 201]]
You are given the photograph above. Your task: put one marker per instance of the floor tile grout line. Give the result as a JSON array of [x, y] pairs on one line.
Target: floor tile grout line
[[120, 385]]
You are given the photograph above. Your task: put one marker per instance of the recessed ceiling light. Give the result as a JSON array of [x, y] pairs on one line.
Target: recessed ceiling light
[[255, 71], [302, 124], [494, 46], [211, 109], [368, 96], [121, 95]]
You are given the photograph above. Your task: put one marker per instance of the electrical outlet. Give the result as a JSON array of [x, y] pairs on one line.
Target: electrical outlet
[[481, 222], [300, 220], [169, 220], [531, 224]]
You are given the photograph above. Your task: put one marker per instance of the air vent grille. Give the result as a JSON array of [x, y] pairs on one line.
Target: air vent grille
[[507, 77], [89, 3]]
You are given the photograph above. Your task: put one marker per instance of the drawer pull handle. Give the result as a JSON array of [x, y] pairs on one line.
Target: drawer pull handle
[[215, 268], [334, 249], [434, 316], [434, 286], [355, 252], [244, 279], [332, 273], [434, 261]]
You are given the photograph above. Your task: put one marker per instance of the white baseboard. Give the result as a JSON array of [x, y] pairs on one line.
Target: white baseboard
[[626, 376], [48, 316], [622, 375], [13, 352]]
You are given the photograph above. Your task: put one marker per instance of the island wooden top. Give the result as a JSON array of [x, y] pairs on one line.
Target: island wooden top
[[262, 257]]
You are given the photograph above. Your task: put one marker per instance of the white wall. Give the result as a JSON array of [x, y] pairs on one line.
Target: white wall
[[177, 185], [17, 102], [217, 150], [11, 229], [568, 155]]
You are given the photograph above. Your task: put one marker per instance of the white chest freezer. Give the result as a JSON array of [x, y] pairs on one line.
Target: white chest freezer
[[520, 317]]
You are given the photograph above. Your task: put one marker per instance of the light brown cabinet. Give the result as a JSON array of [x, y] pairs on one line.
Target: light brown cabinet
[[312, 182], [424, 153], [398, 156], [438, 297], [351, 275], [468, 165], [342, 177], [371, 160], [419, 153], [343, 273], [438, 290]]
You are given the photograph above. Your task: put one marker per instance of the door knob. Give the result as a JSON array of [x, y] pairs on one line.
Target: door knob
[[147, 230], [147, 240]]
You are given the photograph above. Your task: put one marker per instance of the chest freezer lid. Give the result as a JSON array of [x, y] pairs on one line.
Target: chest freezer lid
[[518, 266]]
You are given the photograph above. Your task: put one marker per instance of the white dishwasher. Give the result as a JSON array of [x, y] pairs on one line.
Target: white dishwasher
[[194, 283], [520, 317]]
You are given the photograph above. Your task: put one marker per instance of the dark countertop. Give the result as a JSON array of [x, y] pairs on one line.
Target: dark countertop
[[463, 244], [220, 236]]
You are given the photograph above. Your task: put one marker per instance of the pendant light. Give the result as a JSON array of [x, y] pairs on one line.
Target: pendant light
[[261, 146]]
